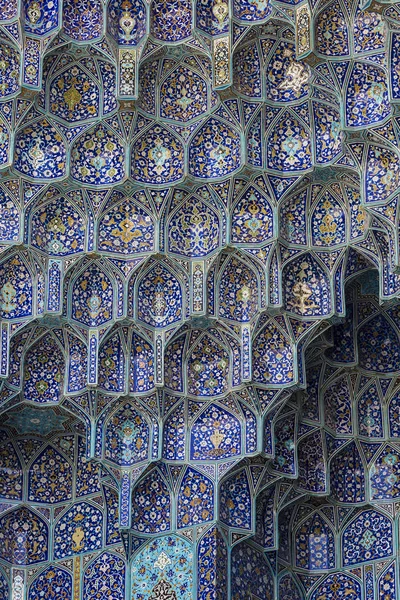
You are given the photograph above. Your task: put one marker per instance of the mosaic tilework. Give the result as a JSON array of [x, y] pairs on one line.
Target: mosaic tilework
[[51, 582], [199, 300]]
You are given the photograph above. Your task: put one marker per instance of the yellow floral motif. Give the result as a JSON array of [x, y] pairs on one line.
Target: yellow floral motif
[[244, 294], [127, 231], [56, 225], [220, 11], [78, 539], [72, 97]]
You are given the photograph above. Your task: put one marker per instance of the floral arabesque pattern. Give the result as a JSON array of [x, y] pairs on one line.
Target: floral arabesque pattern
[[199, 300]]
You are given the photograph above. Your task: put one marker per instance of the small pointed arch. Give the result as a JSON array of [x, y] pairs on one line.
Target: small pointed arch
[[310, 407], [337, 401], [235, 501], [98, 157], [71, 270], [312, 463], [160, 294], [127, 23], [195, 226], [171, 25], [241, 305], [285, 456], [254, 154], [345, 586], [151, 504], [208, 366], [212, 564], [50, 477], [87, 471], [157, 156], [113, 535], [18, 344], [385, 475], [77, 362], [347, 475], [11, 72], [174, 434], [273, 356], [174, 363], [11, 473], [332, 36], [212, 274], [215, 434], [77, 530], [266, 519], [107, 404], [293, 218], [369, 411], [387, 581], [287, 82], [126, 435], [252, 217], [247, 79], [368, 536], [126, 226], [5, 143], [91, 301], [185, 93], [359, 218], [214, 150], [10, 222], [141, 363], [389, 281], [148, 76], [233, 345], [24, 537], [44, 368], [378, 343], [71, 90], [314, 543], [196, 499], [343, 350], [256, 579], [17, 289], [307, 288], [54, 582], [367, 99], [112, 363], [40, 151], [289, 144], [180, 570], [328, 224], [382, 174], [239, 288], [57, 225], [358, 264], [85, 25], [107, 573], [328, 133]]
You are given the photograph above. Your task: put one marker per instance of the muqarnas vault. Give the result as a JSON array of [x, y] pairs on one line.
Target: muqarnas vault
[[199, 300]]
